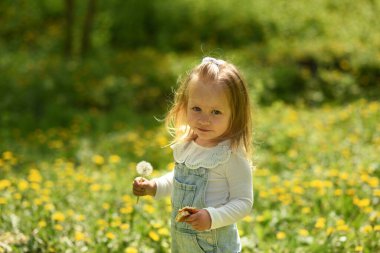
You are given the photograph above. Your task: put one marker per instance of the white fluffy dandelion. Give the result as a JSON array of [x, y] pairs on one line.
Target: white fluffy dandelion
[[144, 169]]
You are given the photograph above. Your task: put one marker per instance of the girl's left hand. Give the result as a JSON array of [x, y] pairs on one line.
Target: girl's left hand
[[200, 220]]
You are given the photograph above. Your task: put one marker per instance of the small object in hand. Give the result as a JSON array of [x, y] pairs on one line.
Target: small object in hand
[[144, 169], [185, 212]]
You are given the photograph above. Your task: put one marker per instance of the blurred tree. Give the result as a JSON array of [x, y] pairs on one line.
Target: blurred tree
[[85, 43], [69, 27], [87, 27]]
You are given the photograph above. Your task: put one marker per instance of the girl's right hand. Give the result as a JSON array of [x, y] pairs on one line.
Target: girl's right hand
[[143, 186]]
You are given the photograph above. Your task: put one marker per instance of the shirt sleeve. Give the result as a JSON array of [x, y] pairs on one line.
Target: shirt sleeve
[[164, 185], [240, 182]]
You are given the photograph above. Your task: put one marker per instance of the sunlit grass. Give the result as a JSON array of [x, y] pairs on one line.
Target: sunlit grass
[[316, 186]]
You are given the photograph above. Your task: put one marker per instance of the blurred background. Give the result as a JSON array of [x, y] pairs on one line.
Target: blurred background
[[85, 83], [60, 59]]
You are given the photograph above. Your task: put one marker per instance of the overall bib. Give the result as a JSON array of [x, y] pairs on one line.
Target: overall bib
[[189, 187]]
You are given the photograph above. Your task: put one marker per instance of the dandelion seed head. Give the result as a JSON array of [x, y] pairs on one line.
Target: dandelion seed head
[[144, 168]]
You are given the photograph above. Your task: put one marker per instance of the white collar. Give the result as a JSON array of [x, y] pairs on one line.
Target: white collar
[[195, 156]]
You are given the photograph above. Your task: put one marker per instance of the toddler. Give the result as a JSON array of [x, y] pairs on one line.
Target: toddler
[[211, 123]]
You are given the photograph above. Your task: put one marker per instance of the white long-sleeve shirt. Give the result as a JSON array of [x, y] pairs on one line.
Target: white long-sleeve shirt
[[229, 192]]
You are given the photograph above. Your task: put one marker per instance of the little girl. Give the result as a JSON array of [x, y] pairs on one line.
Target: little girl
[[211, 119]]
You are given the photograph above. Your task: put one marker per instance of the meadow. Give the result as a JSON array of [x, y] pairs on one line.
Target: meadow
[[316, 184]]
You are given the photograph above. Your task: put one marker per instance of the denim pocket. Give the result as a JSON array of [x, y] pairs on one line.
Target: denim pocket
[[183, 194], [189, 243]]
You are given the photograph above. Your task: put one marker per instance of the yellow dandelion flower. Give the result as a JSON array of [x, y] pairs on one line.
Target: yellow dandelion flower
[[373, 182], [154, 236], [70, 212], [95, 187], [131, 250], [127, 198], [126, 210], [7, 155], [17, 196], [350, 192], [23, 185], [3, 201], [34, 176], [35, 186], [149, 209], [110, 236], [106, 206], [37, 202], [303, 232], [343, 228], [376, 228], [114, 159], [163, 232], [98, 159], [248, 218], [58, 216], [101, 222], [306, 210], [376, 192], [359, 248], [49, 207], [161, 140], [320, 223], [124, 226], [367, 229], [340, 222], [171, 166], [260, 218], [4, 183], [156, 224], [333, 173], [241, 232], [263, 194], [274, 179], [115, 223], [42, 224], [338, 192], [58, 227], [330, 230], [79, 236], [298, 190], [362, 203], [80, 217], [280, 235]]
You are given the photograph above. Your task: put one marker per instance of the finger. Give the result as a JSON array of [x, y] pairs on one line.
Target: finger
[[192, 217], [139, 191], [138, 180]]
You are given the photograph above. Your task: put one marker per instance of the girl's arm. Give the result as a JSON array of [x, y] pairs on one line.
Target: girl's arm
[[239, 177], [164, 185]]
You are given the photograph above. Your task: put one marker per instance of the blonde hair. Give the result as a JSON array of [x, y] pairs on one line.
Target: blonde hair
[[217, 72]]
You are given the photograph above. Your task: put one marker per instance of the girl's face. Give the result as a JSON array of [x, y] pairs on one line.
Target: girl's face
[[208, 111]]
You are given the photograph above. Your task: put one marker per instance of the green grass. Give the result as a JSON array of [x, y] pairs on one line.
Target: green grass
[[316, 184]]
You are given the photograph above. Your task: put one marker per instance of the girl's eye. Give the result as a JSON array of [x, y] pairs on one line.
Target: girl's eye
[[196, 109], [216, 112]]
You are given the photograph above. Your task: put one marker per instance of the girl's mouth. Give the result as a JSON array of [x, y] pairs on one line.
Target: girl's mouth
[[203, 130]]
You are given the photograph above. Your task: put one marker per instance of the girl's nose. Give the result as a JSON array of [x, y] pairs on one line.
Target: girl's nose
[[204, 120]]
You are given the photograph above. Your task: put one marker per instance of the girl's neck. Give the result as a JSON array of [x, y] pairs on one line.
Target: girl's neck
[[208, 144]]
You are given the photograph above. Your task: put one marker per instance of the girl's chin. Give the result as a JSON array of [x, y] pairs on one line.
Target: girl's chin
[[205, 142]]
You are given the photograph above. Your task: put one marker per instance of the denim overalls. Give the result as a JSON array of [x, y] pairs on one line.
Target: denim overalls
[[189, 187]]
